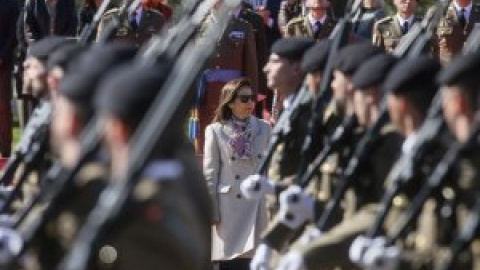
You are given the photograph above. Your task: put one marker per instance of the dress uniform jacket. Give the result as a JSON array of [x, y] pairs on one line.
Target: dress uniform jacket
[[235, 56], [287, 12], [240, 221], [151, 22], [387, 32], [301, 27], [450, 36], [38, 21]]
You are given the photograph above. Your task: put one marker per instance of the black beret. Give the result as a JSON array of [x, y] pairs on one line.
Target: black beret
[[373, 71], [292, 48], [65, 55], [80, 86], [128, 92], [349, 58], [412, 74], [42, 49], [462, 68], [316, 57]]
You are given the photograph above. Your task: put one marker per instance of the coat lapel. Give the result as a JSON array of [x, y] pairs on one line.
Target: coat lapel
[[473, 19], [397, 28], [308, 26]]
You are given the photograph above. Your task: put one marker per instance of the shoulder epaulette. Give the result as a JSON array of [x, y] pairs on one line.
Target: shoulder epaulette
[[297, 20], [385, 20], [111, 11]]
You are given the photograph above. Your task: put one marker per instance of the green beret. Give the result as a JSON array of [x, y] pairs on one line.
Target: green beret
[[80, 85], [461, 68], [349, 58], [42, 48], [412, 75], [316, 57], [128, 92], [292, 48], [373, 71], [65, 55]]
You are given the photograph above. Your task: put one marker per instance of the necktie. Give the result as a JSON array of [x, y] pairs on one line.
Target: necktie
[[318, 29], [461, 18], [133, 20], [405, 27]]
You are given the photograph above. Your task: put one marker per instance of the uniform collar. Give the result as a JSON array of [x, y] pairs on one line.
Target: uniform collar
[[312, 20], [468, 9], [401, 20]]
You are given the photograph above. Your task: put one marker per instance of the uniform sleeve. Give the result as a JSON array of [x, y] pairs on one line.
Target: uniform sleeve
[[102, 25], [330, 250], [251, 60], [211, 168]]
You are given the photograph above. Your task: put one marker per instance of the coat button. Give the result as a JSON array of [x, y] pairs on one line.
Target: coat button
[[233, 158], [237, 177], [259, 156], [239, 196]]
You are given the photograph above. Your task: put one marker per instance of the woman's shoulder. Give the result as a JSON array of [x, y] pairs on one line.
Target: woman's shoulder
[[214, 126], [262, 123]]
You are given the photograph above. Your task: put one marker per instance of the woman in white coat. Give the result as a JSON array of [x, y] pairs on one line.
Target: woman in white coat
[[234, 144]]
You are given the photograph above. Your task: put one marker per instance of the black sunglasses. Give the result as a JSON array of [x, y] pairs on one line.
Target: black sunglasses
[[246, 98]]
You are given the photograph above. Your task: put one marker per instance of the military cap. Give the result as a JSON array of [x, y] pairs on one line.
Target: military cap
[[127, 92], [316, 57], [349, 58], [462, 68], [373, 71], [412, 74], [65, 55], [80, 86], [43, 48], [292, 48]]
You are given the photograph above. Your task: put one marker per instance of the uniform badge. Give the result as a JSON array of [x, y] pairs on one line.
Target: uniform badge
[[236, 35]]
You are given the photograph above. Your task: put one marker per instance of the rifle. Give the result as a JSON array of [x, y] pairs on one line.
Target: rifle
[[88, 29], [408, 164], [150, 132], [40, 116], [434, 182]]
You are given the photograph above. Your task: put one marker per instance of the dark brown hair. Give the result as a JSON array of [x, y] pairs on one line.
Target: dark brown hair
[[228, 95]]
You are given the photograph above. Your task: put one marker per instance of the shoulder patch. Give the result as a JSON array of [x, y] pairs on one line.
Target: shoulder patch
[[385, 20], [111, 12]]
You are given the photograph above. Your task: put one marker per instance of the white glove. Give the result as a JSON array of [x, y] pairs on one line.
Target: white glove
[[310, 234], [293, 260], [358, 248], [11, 244], [255, 186], [380, 257], [261, 259], [296, 207]]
